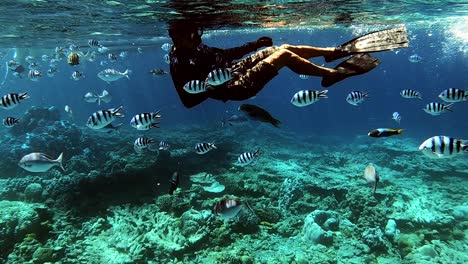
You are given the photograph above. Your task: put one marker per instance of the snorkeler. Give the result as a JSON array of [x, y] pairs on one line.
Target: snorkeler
[[190, 59]]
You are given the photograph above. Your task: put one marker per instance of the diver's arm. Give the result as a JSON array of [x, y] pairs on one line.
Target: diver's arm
[[239, 52]]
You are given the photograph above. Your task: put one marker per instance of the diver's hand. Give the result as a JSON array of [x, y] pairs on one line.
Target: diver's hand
[[264, 42]]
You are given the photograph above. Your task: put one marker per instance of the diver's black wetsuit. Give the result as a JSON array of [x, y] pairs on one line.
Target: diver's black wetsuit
[[195, 65]]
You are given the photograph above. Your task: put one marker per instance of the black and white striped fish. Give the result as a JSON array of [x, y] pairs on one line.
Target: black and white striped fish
[[12, 100], [166, 46], [163, 145], [435, 108], [76, 75], [145, 121], [397, 117], [34, 75], [202, 148], [453, 95], [219, 76], [439, 147], [10, 121], [357, 97], [195, 86], [94, 43], [307, 97], [142, 143], [247, 158], [410, 94], [103, 118], [112, 57]]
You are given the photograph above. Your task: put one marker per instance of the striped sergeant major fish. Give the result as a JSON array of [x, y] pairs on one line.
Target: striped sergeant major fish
[[12, 100], [219, 76], [94, 43], [397, 117], [10, 121], [410, 94], [195, 86], [34, 75], [102, 118], [227, 208], [76, 75], [145, 121], [166, 46], [439, 147], [163, 145], [453, 95], [435, 108], [142, 143], [357, 97], [307, 97], [203, 148], [247, 158]]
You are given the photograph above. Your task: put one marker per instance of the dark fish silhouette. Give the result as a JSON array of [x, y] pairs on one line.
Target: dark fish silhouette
[[260, 114], [174, 182]]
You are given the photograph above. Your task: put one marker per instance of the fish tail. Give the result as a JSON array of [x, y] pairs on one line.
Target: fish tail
[[127, 73], [157, 114], [24, 95], [155, 124], [448, 107], [213, 145], [400, 131], [323, 94], [275, 122], [116, 112], [59, 161]]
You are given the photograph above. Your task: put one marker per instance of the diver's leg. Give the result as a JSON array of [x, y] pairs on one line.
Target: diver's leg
[[308, 52], [298, 64]]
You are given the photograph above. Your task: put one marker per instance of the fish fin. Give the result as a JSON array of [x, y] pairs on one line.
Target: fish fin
[[275, 122], [99, 101], [356, 65], [157, 114], [213, 145], [155, 124], [24, 95], [116, 112], [448, 107], [127, 73], [381, 40], [323, 94], [59, 161]]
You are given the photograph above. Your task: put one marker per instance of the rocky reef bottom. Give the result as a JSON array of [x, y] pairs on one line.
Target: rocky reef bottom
[[309, 201]]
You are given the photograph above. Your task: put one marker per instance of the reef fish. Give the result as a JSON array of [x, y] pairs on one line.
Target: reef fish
[[227, 208], [102, 118], [40, 162], [202, 148], [12, 100], [439, 147], [371, 176], [174, 183], [218, 76], [111, 75], [435, 108], [10, 121], [145, 121], [247, 158], [357, 97], [384, 132], [259, 114], [234, 119], [453, 95], [397, 117], [307, 97]]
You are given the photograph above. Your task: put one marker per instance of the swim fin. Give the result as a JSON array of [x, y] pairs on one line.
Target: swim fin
[[381, 40], [356, 65]]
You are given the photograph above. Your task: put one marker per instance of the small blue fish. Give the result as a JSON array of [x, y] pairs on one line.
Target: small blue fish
[[396, 117], [415, 58], [218, 77]]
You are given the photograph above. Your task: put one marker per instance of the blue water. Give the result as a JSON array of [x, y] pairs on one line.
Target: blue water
[[442, 67]]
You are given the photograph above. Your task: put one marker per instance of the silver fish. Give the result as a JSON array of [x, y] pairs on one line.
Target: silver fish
[[103, 118], [453, 95], [40, 162], [195, 86], [145, 121], [12, 100], [247, 158], [111, 75], [410, 94], [357, 97], [218, 76], [202, 148], [10, 121], [307, 97], [435, 108], [440, 147]]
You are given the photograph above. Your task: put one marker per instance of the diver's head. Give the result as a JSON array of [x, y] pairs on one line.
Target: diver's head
[[185, 35]]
